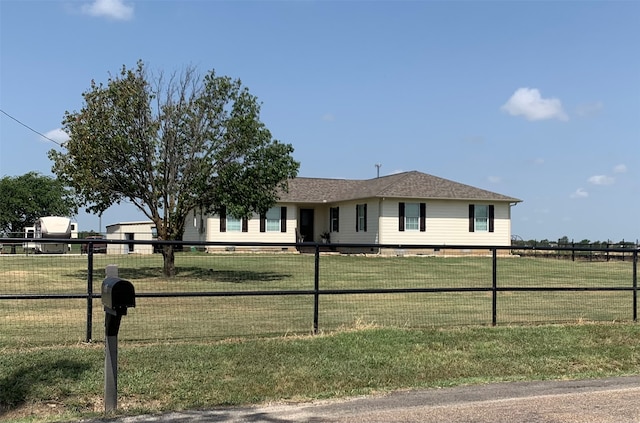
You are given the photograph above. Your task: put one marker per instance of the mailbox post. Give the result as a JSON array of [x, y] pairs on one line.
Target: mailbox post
[[117, 296]]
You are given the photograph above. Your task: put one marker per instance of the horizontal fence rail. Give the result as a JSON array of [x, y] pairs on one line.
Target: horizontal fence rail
[[267, 289]]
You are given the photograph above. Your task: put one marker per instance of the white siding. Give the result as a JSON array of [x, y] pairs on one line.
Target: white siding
[[447, 223], [141, 231], [253, 233], [347, 224]]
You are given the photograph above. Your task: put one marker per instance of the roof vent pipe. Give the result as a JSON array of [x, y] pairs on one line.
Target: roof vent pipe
[[378, 166]]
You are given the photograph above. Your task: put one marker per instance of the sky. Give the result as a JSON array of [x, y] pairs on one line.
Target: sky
[[537, 100]]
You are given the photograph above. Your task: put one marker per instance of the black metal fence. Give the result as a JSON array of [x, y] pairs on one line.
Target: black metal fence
[[270, 289]]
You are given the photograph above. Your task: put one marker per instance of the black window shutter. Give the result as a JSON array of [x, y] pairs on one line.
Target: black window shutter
[[401, 217], [357, 208], [365, 217], [472, 218], [423, 217], [332, 213], [491, 216], [245, 224], [337, 228], [263, 222], [223, 219], [283, 219]]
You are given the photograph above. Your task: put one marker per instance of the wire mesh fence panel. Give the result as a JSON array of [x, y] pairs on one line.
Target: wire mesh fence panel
[[550, 273], [414, 310], [215, 318], [42, 322], [352, 272], [43, 274], [44, 299], [202, 272], [564, 307], [564, 291]]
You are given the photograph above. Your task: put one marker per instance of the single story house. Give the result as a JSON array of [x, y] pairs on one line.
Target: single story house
[[131, 231], [409, 208]]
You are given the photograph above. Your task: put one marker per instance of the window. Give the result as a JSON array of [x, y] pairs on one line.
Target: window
[[232, 224], [412, 217], [361, 217], [274, 220], [334, 219], [481, 218]]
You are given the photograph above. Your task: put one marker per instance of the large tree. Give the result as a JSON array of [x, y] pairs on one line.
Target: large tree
[[24, 199], [172, 145]]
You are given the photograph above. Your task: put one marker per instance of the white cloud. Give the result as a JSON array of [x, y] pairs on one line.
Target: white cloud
[[620, 168], [601, 180], [589, 109], [495, 179], [529, 103], [113, 9], [57, 135], [580, 193]]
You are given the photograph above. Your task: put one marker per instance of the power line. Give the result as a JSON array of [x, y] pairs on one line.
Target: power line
[[30, 128]]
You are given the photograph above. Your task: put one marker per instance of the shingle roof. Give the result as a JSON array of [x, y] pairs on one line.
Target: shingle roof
[[401, 185]]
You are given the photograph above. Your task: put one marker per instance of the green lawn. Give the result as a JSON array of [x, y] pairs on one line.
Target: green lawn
[[63, 321], [63, 383], [180, 353]]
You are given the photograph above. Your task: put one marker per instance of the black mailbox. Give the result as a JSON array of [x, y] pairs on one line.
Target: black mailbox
[[117, 295]]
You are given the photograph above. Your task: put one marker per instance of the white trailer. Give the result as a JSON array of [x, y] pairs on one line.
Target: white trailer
[[51, 227]]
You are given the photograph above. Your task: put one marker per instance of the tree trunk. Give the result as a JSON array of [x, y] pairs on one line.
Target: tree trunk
[[169, 268]]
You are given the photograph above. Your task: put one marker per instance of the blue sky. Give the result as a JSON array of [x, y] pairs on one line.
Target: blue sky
[[537, 100]]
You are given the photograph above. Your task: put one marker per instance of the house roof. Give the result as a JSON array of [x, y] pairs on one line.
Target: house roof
[[410, 185], [141, 222]]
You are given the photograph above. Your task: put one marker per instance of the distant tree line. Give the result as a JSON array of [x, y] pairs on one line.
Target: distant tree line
[[566, 242], [24, 199]]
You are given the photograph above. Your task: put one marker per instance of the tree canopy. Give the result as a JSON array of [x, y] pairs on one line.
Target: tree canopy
[[31, 196], [172, 145]]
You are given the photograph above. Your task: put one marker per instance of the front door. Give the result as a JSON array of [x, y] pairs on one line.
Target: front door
[[306, 225]]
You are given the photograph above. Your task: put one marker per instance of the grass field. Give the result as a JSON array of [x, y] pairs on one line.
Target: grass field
[[66, 383], [63, 321], [182, 353]]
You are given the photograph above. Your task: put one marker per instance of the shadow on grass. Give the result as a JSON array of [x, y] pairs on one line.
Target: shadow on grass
[[37, 380], [193, 273]]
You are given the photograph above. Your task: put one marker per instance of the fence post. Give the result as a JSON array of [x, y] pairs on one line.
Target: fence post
[[89, 292], [635, 285], [316, 289], [494, 285]]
